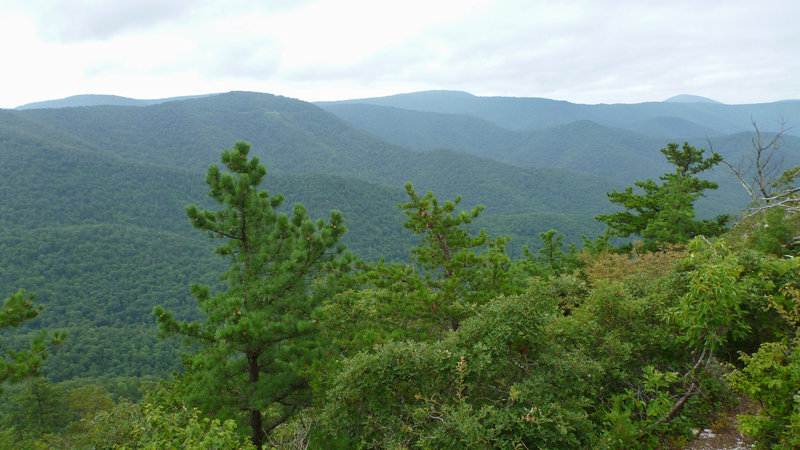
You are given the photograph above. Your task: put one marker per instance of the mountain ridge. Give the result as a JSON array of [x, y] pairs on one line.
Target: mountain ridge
[[529, 113], [525, 113], [82, 100]]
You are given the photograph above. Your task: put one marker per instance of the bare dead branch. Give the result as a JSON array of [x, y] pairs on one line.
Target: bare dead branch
[[765, 165], [737, 173]]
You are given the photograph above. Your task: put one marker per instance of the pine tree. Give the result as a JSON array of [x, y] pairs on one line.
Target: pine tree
[[459, 268], [21, 364], [38, 408], [260, 335], [552, 260], [451, 272], [664, 213]]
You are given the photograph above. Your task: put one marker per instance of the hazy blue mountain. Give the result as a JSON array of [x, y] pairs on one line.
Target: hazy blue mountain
[[508, 112], [590, 147], [686, 98], [672, 128], [583, 145], [425, 130], [536, 113], [586, 146], [98, 100]]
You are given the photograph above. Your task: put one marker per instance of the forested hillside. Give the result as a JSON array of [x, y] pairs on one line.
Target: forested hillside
[[294, 137], [101, 240], [463, 316]]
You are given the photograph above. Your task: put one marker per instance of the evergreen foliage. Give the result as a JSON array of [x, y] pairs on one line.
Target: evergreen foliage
[[37, 409], [451, 272], [664, 213], [17, 365], [448, 257], [260, 335], [551, 259]]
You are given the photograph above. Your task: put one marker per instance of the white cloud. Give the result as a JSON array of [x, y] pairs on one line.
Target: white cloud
[[582, 51], [81, 20]]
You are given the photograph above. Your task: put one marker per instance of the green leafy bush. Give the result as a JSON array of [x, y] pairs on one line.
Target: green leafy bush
[[771, 376]]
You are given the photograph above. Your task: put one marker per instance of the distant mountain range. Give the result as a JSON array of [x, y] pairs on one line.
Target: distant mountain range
[[484, 148], [619, 141], [538, 113], [93, 188]]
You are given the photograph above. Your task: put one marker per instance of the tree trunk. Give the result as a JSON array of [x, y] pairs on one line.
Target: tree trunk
[[255, 413], [255, 424]]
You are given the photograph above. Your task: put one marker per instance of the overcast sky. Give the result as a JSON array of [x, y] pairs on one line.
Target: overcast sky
[[601, 51]]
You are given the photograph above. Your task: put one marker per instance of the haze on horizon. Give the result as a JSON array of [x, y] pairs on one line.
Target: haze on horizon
[[582, 51]]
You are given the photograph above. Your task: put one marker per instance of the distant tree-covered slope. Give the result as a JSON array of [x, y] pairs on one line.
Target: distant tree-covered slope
[[47, 184], [102, 240], [592, 148], [509, 112], [288, 135], [426, 130], [582, 145], [671, 128], [586, 146], [526, 113]]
